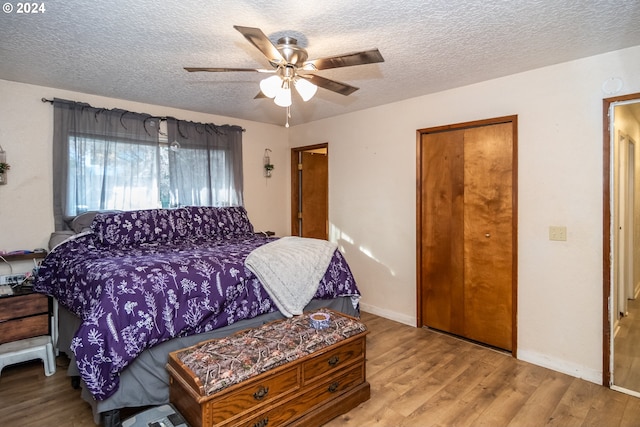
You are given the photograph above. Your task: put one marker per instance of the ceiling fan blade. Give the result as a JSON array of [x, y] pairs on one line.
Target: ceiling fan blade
[[219, 70], [257, 38], [260, 95], [332, 85], [347, 60]]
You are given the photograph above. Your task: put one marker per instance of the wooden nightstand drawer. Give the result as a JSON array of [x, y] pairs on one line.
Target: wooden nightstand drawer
[[25, 327], [23, 316], [14, 307]]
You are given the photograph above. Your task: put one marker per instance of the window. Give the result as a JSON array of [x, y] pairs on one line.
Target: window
[[119, 160], [205, 164], [112, 175]]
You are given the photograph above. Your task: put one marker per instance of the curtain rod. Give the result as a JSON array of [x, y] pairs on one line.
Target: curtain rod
[[161, 118]]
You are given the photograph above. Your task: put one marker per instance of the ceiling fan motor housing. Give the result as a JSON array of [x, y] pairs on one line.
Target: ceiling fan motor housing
[[291, 52]]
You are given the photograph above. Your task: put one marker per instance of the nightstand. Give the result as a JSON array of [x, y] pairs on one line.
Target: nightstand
[[25, 334]]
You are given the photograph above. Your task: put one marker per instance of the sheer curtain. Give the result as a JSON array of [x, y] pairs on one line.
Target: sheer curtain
[[103, 159], [205, 164]]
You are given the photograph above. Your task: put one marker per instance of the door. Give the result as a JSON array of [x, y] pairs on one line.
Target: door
[[466, 230], [624, 213], [310, 191], [621, 261]]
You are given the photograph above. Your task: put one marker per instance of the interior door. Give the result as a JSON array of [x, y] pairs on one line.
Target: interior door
[[466, 226], [621, 260], [622, 208], [488, 237], [442, 240], [310, 190]]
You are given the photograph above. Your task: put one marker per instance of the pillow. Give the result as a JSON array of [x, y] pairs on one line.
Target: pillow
[[83, 221], [204, 221], [234, 221], [58, 237], [211, 221], [141, 226]]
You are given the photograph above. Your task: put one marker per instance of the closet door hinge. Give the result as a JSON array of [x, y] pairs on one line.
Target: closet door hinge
[[299, 166]]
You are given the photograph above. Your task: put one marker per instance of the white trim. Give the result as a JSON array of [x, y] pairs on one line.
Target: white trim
[[625, 390], [565, 367], [538, 359], [388, 314]]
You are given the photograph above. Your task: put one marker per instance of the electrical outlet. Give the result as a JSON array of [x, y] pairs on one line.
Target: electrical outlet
[[12, 279]]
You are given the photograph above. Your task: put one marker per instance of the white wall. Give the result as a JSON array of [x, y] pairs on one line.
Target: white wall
[[26, 125], [372, 198]]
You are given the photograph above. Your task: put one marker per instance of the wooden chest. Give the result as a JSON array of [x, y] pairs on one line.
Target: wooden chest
[[307, 391]]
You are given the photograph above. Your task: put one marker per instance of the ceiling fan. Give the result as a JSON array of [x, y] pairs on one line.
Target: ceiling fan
[[290, 65]]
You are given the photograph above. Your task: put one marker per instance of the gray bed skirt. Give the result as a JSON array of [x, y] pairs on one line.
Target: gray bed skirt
[[146, 381]]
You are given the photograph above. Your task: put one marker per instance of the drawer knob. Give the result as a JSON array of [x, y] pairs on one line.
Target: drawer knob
[[334, 387], [333, 360], [262, 423], [261, 394]]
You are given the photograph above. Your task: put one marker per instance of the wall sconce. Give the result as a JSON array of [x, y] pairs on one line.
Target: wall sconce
[[266, 161], [4, 166]]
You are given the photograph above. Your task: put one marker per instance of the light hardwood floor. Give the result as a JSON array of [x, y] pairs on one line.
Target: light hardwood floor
[[418, 378], [626, 372]]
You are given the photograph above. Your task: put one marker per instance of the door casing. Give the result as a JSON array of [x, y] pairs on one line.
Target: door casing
[[607, 253]]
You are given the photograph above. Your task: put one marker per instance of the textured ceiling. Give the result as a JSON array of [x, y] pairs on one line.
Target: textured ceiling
[[135, 50]]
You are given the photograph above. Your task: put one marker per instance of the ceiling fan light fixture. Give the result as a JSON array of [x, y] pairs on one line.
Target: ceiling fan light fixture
[[305, 88], [270, 86], [283, 98]]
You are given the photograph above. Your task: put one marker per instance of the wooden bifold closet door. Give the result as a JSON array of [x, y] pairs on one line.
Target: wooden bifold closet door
[[466, 230]]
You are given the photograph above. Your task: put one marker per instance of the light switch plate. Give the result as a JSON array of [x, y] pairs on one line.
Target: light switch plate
[[558, 233]]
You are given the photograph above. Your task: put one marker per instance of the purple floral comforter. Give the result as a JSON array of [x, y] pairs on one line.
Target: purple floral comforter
[[143, 277]]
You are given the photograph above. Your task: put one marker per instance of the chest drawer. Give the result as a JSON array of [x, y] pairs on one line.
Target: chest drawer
[[310, 399], [326, 363], [253, 394]]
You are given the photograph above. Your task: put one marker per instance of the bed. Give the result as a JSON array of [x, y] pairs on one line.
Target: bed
[[133, 286]]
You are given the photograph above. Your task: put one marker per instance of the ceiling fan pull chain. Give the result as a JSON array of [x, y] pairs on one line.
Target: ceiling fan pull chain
[[288, 115]]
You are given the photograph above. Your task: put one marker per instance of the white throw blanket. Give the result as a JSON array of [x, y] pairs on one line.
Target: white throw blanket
[[290, 269]]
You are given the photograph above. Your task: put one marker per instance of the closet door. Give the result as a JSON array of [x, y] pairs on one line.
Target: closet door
[[442, 221], [466, 248]]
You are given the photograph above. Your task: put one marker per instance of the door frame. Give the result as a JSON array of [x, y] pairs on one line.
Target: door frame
[[513, 119], [607, 253], [296, 188]]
